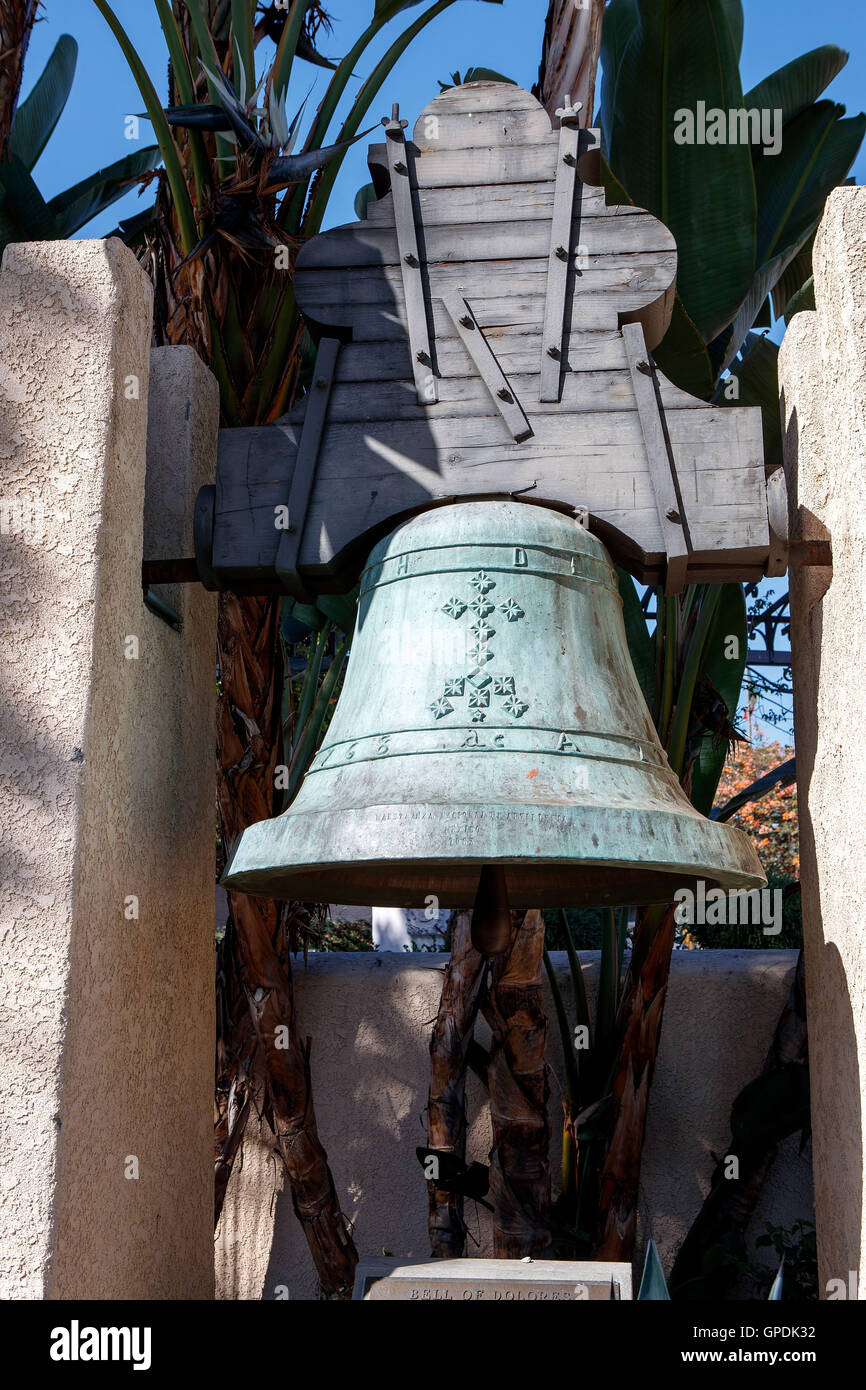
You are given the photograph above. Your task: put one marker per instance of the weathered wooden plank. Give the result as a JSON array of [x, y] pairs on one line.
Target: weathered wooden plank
[[460, 168], [504, 202], [516, 349], [647, 275], [561, 239], [501, 392], [669, 505], [484, 205], [704, 441], [480, 127], [373, 305], [409, 258], [365, 244], [596, 378], [385, 321], [476, 96], [392, 397]]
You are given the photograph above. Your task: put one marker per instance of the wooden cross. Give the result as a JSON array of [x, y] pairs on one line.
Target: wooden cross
[[487, 331]]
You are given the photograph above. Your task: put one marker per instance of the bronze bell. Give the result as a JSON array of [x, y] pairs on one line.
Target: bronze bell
[[490, 718]]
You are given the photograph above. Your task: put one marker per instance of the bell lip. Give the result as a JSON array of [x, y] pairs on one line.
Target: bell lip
[[723, 857]]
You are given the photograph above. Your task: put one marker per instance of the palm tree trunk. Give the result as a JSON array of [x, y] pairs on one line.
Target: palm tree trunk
[[569, 57], [236, 1052], [446, 1103], [249, 741], [640, 1018], [519, 1093], [17, 18]]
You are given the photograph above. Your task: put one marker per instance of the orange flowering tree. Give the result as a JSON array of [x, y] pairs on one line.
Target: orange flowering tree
[[771, 821]]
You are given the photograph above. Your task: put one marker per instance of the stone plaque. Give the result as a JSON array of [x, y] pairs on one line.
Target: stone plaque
[[491, 1281]]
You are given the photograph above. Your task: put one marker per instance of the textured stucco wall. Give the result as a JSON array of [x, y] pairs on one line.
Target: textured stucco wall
[[823, 378], [106, 1021], [370, 1018]]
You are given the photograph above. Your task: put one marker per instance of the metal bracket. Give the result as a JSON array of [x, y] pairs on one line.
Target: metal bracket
[[288, 550], [410, 260], [559, 261], [661, 464], [488, 368], [777, 515]]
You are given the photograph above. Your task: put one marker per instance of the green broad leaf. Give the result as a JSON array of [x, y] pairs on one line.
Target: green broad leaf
[[797, 85], [620, 19], [133, 231], [794, 276], [762, 285], [37, 117], [78, 205], [818, 149], [723, 664], [765, 315], [24, 213], [677, 56], [653, 1285], [293, 167], [475, 75], [297, 616], [804, 299], [757, 378], [305, 49], [640, 645], [199, 116], [753, 381], [683, 357], [363, 198], [340, 609], [615, 195], [736, 23]]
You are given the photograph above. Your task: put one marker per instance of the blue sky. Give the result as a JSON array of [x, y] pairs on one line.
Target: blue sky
[[507, 38]]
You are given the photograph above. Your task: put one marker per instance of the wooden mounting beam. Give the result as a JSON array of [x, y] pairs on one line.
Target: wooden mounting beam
[[670, 507], [410, 260], [497, 383]]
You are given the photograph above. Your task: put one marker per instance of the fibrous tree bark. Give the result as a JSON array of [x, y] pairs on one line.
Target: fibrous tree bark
[[249, 743], [17, 18], [519, 1092], [639, 1025], [446, 1104], [569, 58]]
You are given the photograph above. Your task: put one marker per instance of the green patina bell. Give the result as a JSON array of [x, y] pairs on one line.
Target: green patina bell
[[491, 717]]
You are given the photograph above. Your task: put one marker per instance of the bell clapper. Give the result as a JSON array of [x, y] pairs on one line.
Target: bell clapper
[[491, 917]]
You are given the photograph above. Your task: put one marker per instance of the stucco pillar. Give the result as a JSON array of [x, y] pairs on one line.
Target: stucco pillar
[[823, 378], [107, 800]]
